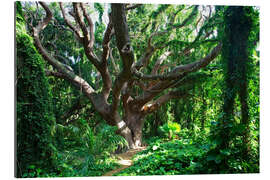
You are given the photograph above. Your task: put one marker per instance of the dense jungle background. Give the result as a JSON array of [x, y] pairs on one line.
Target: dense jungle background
[[178, 82]]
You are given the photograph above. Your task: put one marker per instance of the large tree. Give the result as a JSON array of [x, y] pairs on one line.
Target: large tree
[[143, 58]]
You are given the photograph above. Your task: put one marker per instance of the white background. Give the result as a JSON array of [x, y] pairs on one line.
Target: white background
[[7, 88]]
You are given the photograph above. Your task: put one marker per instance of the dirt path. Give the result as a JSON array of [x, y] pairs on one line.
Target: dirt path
[[124, 160]]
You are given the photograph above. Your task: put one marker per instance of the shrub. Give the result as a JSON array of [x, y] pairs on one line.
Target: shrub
[[170, 130]]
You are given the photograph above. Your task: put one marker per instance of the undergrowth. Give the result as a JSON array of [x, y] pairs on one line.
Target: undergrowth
[[188, 153], [82, 151]]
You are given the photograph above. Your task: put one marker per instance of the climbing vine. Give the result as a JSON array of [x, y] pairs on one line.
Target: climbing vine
[[35, 120], [232, 136]]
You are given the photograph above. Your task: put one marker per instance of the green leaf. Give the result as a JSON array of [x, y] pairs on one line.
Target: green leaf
[[226, 152], [32, 167]]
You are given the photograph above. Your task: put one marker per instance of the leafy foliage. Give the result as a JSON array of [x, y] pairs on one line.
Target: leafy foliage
[[232, 133], [84, 151], [179, 156], [189, 154], [35, 119], [170, 129]]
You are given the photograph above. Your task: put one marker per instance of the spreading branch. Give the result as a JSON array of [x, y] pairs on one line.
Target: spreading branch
[[178, 71], [115, 67], [125, 50], [106, 40], [200, 63], [175, 76], [160, 61], [55, 74], [88, 41], [155, 105], [91, 26], [73, 28], [133, 7], [63, 71], [107, 82], [144, 60]]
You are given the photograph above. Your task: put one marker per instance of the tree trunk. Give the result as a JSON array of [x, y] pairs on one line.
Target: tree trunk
[[123, 129], [135, 121], [128, 135], [245, 114]]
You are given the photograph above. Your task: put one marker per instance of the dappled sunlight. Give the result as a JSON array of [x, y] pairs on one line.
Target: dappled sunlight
[[125, 162]]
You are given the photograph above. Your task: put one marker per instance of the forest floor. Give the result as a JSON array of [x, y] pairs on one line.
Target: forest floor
[[124, 160]]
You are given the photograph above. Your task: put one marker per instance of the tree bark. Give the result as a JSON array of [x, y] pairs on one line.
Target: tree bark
[[135, 121]]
